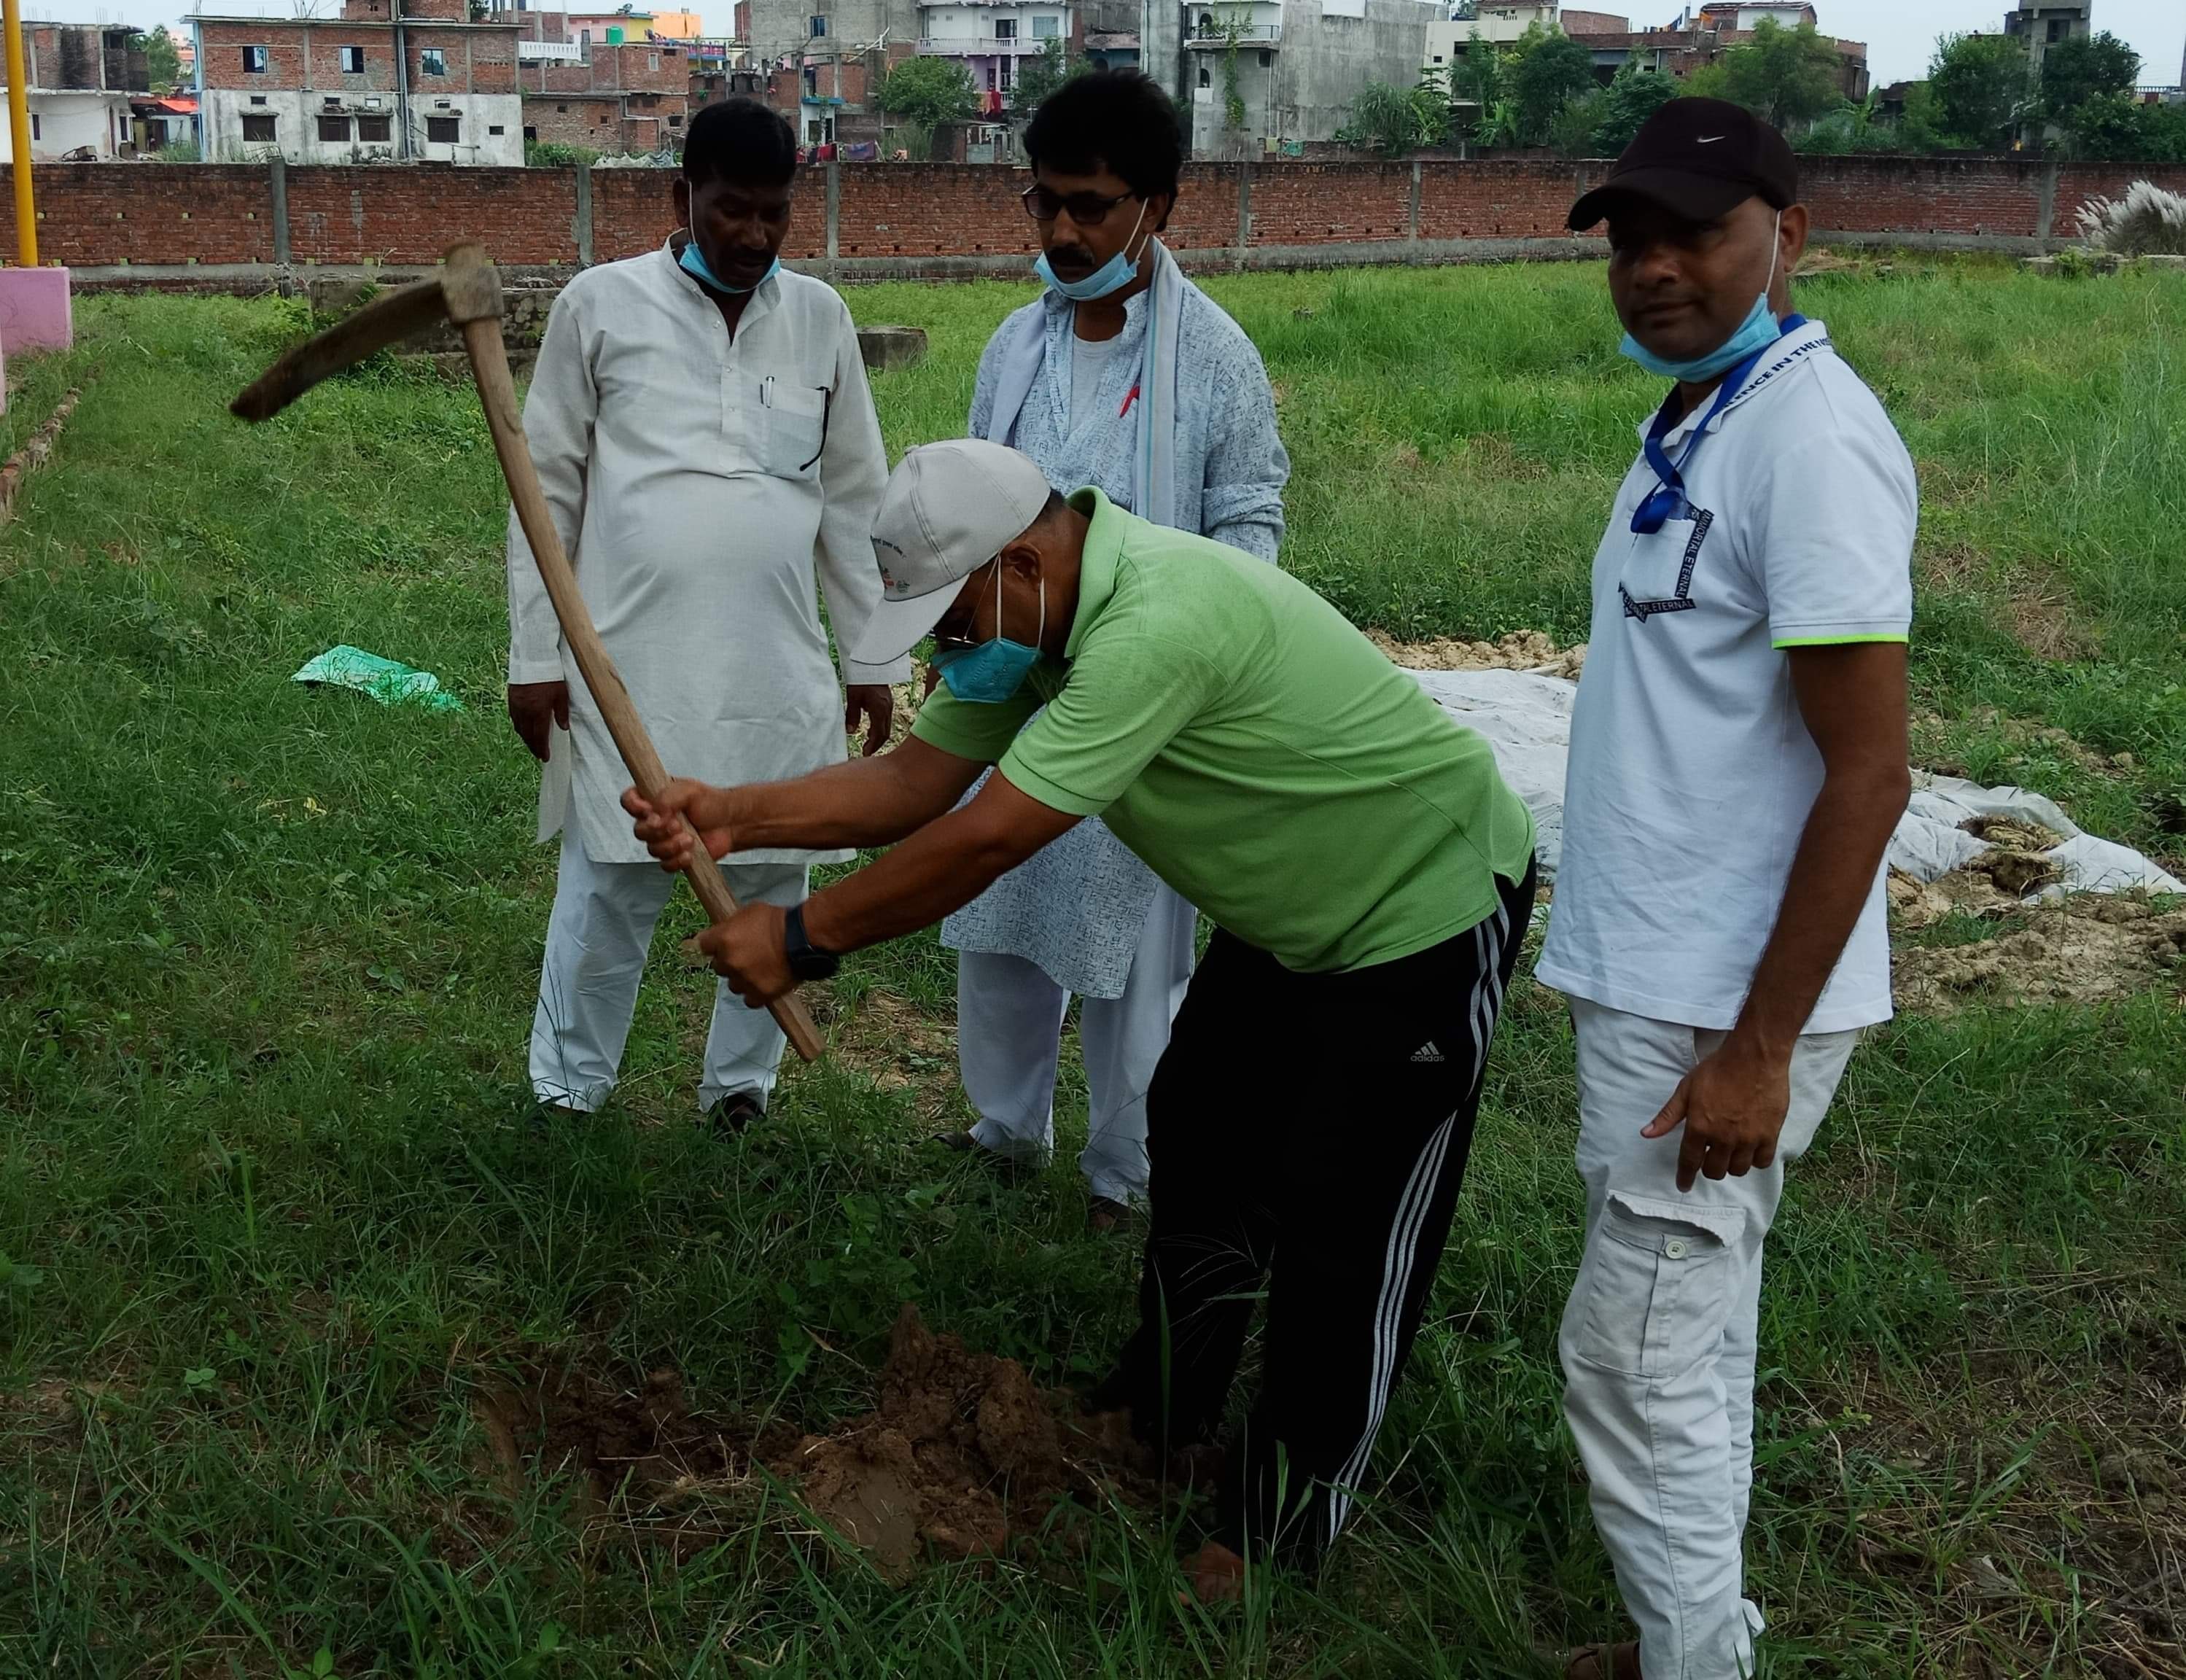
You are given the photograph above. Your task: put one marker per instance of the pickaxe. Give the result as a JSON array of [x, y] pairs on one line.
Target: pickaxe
[[467, 291]]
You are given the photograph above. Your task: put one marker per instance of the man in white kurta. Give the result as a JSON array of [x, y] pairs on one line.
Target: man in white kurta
[[710, 452]]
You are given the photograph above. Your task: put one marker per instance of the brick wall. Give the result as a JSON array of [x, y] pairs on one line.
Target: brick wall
[[1505, 199], [1330, 204], [284, 54], [166, 213], [346, 215], [95, 214], [574, 119]]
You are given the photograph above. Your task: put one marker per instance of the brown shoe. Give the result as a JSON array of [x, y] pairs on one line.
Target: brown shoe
[[1103, 1214], [1604, 1662]]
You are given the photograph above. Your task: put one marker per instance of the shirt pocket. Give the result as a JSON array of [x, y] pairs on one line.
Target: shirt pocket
[[1662, 569], [787, 428]]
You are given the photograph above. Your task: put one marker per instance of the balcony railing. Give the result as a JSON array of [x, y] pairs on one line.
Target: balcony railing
[[550, 53], [983, 45], [1249, 35]]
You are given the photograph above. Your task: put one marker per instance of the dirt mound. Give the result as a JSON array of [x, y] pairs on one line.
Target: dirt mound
[[965, 1454], [1519, 651], [2083, 949]]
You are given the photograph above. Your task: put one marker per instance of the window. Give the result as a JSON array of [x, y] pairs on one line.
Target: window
[[819, 25], [352, 60], [530, 133], [258, 128], [37, 128], [653, 61], [375, 128], [811, 82], [432, 61], [675, 119], [1005, 29], [332, 102], [333, 131], [2056, 29], [1046, 28], [1205, 80], [442, 131], [253, 61], [1268, 59], [258, 98], [496, 128]]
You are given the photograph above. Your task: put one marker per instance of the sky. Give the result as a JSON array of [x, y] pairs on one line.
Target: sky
[[1900, 34]]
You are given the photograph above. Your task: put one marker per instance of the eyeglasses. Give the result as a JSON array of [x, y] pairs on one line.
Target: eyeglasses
[[1044, 204]]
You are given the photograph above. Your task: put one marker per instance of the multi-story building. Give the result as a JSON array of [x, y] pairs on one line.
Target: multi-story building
[[407, 79], [77, 82], [824, 61], [1296, 68], [718, 70], [582, 87], [992, 38], [2042, 24]]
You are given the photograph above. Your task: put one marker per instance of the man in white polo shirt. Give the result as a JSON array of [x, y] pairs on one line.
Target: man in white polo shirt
[[1738, 762]]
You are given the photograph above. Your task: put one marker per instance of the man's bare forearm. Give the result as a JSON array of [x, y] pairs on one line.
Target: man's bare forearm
[[1840, 850], [866, 802]]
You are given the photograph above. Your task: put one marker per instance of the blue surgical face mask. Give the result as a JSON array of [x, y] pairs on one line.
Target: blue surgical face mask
[[1757, 331], [992, 671], [1109, 278], [693, 261]]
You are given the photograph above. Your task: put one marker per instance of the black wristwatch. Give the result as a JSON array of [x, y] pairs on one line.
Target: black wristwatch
[[807, 961]]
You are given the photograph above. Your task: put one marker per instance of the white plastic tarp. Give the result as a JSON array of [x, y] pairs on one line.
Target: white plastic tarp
[[1527, 719]]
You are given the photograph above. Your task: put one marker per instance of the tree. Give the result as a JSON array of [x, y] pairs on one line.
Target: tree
[[1633, 97], [1786, 77], [162, 65], [1980, 82], [2118, 126], [2082, 68], [1039, 78], [1393, 120], [927, 92], [1548, 69], [1477, 78]]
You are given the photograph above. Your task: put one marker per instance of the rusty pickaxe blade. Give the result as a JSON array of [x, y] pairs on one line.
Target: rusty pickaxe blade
[[467, 291], [459, 292]]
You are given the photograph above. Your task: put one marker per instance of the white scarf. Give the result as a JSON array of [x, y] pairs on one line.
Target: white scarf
[[1155, 496]]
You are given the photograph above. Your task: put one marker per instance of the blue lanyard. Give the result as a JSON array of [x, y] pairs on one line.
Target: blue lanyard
[[1667, 501]]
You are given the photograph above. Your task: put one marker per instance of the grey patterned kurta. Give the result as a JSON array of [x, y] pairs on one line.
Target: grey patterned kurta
[[1076, 906]]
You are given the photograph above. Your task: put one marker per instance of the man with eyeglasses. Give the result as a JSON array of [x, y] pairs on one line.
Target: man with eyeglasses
[[1737, 766], [707, 442], [1126, 377]]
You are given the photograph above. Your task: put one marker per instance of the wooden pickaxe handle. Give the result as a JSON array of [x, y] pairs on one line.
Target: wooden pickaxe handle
[[489, 358]]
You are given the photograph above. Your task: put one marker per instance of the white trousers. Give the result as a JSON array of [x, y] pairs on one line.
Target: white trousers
[[597, 939], [1009, 1036], [1658, 1338]]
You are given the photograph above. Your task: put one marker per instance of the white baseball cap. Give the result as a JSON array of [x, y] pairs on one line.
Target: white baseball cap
[[948, 509]]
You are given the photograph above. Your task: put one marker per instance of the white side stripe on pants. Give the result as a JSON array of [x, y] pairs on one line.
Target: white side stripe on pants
[[1397, 1262]]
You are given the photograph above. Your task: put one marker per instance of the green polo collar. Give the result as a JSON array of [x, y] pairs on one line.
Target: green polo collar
[[1097, 564]]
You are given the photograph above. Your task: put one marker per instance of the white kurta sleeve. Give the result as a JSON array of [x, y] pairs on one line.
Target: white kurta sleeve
[[557, 419], [853, 473]]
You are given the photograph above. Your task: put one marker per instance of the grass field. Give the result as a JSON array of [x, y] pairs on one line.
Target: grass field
[[270, 1220]]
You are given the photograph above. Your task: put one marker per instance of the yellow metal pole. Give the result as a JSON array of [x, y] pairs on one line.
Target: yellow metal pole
[[18, 133]]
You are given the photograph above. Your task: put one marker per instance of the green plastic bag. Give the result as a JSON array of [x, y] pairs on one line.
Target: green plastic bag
[[388, 682]]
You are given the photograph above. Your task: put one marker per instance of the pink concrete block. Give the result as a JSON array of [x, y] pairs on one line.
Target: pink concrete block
[[34, 310]]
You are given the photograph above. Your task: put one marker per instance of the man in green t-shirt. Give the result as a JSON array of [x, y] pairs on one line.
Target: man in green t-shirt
[[1369, 874]]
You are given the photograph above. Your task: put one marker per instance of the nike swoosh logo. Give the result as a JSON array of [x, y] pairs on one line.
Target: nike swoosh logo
[[1706, 139]]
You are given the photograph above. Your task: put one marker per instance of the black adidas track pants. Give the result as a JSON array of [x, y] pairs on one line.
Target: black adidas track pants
[[1307, 1133]]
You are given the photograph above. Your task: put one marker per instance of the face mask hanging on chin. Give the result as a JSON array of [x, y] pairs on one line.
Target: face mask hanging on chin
[[1109, 278], [992, 671], [1756, 332], [693, 263]]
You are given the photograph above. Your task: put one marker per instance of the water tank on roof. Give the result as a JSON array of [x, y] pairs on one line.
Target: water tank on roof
[[614, 35]]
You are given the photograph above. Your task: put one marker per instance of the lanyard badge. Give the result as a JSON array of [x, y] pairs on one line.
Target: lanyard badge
[[1667, 501]]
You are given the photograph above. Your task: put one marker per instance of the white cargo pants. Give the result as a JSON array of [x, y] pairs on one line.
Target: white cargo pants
[[1658, 1338]]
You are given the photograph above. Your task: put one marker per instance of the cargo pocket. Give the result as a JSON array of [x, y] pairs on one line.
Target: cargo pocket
[[1656, 1287]]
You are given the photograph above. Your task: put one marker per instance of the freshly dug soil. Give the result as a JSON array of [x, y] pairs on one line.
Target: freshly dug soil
[[2083, 949], [965, 1455]]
